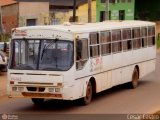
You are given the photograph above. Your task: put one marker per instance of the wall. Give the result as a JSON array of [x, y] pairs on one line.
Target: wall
[[10, 17], [115, 7], [81, 13], [34, 10]]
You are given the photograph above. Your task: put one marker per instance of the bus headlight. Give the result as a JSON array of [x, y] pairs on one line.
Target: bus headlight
[[14, 88], [57, 89], [20, 89], [51, 89]]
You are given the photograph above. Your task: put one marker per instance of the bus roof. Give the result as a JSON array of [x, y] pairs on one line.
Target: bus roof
[[90, 27]]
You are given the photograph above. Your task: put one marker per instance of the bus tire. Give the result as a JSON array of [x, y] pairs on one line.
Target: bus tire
[[135, 78], [89, 92], [37, 101]]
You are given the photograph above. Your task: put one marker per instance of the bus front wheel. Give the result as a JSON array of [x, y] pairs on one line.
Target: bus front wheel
[[89, 92], [37, 101]]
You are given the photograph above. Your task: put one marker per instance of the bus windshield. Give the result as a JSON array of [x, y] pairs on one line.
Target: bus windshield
[[48, 55]]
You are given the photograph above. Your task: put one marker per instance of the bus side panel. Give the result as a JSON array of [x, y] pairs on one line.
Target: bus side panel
[[106, 63], [116, 69], [127, 58], [106, 80], [116, 60], [99, 84], [116, 77], [146, 67], [151, 65], [151, 52], [127, 74], [137, 56], [143, 69], [144, 54]]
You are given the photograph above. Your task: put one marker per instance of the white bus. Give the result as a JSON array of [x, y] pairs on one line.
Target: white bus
[[74, 61]]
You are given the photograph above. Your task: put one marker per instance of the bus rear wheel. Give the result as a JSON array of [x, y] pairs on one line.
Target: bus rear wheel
[[37, 101], [135, 77], [89, 92]]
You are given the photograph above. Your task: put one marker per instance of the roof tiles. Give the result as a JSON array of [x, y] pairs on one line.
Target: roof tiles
[[7, 2]]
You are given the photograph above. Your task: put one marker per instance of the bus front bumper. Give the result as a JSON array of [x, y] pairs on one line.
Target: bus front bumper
[[63, 93]]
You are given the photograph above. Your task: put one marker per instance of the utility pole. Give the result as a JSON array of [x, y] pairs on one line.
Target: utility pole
[[89, 11], [107, 10], [74, 10]]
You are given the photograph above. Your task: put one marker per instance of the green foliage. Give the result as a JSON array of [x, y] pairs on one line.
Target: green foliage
[[158, 41], [4, 37]]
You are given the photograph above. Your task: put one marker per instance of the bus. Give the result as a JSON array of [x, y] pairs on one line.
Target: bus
[[74, 61]]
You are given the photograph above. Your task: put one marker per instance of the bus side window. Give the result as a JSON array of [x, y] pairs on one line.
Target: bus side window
[[127, 42], [116, 41], [151, 36], [144, 36], [136, 34], [105, 39], [94, 45], [81, 53]]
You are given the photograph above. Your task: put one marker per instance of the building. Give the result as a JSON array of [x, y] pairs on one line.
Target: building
[[117, 9], [62, 11], [9, 15], [43, 12], [16, 14]]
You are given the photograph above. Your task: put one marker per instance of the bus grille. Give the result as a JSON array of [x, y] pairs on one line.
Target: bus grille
[[34, 89], [37, 95]]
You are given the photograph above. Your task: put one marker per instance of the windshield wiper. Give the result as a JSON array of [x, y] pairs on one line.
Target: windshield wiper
[[47, 46]]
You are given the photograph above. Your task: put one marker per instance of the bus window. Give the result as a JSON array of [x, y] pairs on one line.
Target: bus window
[[94, 45], [151, 36], [116, 47], [127, 43], [144, 36], [94, 38], [136, 43], [116, 41], [105, 38], [82, 53], [151, 41], [116, 35], [151, 31], [126, 34], [46, 55], [136, 33]]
